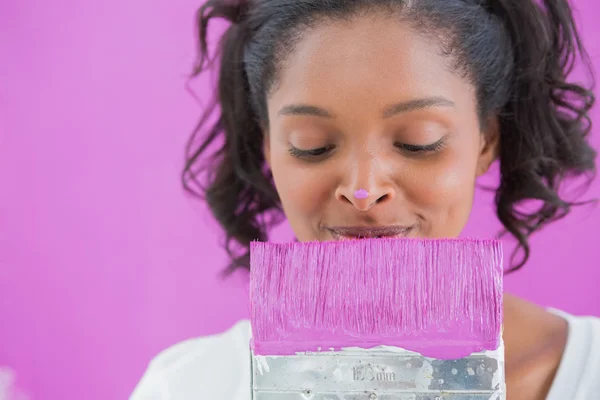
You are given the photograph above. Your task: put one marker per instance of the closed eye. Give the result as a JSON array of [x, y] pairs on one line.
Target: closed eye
[[417, 149], [310, 154]]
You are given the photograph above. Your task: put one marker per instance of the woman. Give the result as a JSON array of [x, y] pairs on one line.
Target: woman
[[409, 101]]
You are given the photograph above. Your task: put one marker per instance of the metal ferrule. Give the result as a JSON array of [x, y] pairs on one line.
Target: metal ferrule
[[378, 374]]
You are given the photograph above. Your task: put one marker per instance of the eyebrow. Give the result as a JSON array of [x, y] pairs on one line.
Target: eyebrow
[[390, 111], [304, 110], [417, 104]]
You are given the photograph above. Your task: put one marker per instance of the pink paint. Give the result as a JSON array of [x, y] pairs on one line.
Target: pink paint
[[441, 298], [361, 194]]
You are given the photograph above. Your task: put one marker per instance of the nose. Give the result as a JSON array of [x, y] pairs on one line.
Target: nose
[[367, 188]]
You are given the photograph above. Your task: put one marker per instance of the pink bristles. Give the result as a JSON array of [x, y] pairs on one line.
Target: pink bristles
[[441, 298]]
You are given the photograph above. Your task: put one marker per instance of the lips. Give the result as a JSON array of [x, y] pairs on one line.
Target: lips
[[353, 233]]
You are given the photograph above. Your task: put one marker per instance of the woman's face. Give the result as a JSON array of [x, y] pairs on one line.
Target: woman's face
[[370, 105]]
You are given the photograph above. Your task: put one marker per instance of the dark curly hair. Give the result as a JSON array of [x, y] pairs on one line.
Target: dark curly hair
[[517, 53]]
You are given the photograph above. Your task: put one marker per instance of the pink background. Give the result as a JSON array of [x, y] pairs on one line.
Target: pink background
[[103, 261]]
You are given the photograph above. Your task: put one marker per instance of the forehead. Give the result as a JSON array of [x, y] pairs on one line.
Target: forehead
[[370, 60]]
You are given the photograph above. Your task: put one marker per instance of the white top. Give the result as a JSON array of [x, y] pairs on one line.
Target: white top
[[218, 367]]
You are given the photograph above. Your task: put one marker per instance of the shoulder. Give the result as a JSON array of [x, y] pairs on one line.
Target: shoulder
[[550, 354], [535, 341], [210, 367], [577, 375]]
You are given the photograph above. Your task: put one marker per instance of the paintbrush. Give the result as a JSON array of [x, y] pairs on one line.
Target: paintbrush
[[377, 319]]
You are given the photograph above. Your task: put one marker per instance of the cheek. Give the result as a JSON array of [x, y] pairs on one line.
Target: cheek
[[444, 184], [303, 188], [443, 190]]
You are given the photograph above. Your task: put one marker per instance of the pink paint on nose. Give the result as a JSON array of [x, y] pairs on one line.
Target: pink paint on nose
[[361, 194]]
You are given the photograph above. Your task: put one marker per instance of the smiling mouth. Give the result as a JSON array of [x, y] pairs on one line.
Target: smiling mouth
[[353, 233]]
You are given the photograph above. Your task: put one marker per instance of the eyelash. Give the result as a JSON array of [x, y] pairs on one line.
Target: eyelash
[[413, 149], [310, 154], [422, 149]]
